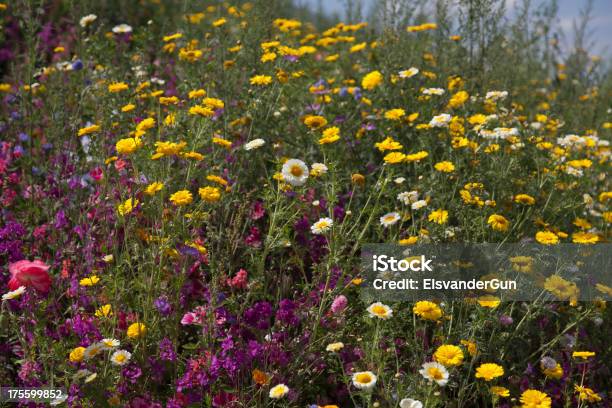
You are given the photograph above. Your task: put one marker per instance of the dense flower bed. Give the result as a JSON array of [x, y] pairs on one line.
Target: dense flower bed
[[184, 201]]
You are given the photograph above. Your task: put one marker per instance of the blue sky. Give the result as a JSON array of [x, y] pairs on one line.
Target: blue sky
[[569, 10]]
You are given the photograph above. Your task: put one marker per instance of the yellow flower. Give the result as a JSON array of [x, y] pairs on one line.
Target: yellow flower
[[201, 111], [167, 149], [115, 87], [371, 80], [259, 377], [500, 391], [153, 188], [445, 167], [127, 206], [181, 198], [315, 122], [128, 108], [219, 22], [587, 394], [472, 348], [217, 179], [172, 37], [524, 199], [330, 135], [170, 100], [439, 216], [388, 144], [197, 93], [555, 372], [222, 142], [448, 355], [136, 330], [535, 399], [89, 281], [547, 238], [489, 371], [489, 301], [128, 145], [498, 222], [408, 241], [279, 391], [418, 156], [583, 354], [210, 194], [77, 354], [394, 157], [333, 347], [261, 80], [561, 288], [427, 310], [584, 238], [104, 311], [458, 99], [394, 114], [88, 130]]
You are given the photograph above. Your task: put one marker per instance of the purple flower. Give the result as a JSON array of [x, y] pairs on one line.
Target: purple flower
[[132, 372], [166, 350], [339, 304], [163, 306]]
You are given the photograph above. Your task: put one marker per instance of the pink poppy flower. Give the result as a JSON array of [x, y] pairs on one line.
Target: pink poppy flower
[[30, 273]]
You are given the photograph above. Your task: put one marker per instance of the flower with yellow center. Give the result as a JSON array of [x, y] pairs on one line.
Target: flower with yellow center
[[498, 222], [334, 347], [584, 238], [136, 330], [295, 172], [472, 348], [77, 354], [260, 80], [371, 80], [489, 301], [435, 372], [278, 391], [330, 135], [89, 281], [390, 219], [322, 226], [547, 238], [127, 206], [535, 399], [14, 294], [395, 114], [438, 216], [500, 391], [449, 355], [416, 157], [364, 380], [104, 311], [587, 394], [181, 198], [88, 130], [525, 199], [489, 371], [583, 354], [388, 144], [315, 122], [427, 310], [115, 87], [128, 145], [210, 194], [128, 108], [153, 188], [380, 311], [120, 357], [445, 167], [561, 288]]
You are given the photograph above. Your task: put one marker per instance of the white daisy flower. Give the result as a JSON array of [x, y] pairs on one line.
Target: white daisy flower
[[295, 172], [121, 357], [389, 219], [440, 120], [318, 169], [93, 350], [87, 20], [110, 344], [14, 294], [410, 403], [333, 347], [433, 91], [122, 29], [278, 391], [418, 204], [408, 197], [380, 310], [364, 380], [321, 226], [496, 95], [409, 73], [433, 371], [254, 144]]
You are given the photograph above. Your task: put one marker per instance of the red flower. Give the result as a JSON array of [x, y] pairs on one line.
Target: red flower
[[30, 273]]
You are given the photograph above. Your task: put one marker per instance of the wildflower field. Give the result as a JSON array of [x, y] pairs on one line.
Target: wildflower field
[[186, 187]]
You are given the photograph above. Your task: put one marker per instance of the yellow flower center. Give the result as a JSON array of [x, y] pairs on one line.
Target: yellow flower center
[[296, 171], [364, 378], [435, 373]]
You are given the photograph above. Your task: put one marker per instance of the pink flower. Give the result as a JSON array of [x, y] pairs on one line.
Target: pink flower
[[188, 318], [30, 273], [339, 304], [239, 281]]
